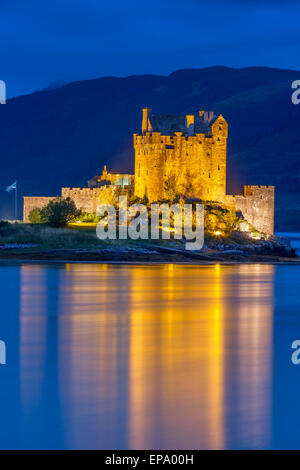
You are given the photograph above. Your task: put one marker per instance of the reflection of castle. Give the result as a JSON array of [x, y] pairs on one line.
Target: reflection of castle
[[184, 154], [125, 362]]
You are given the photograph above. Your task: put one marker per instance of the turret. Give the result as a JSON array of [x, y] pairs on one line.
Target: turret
[[190, 123], [146, 116]]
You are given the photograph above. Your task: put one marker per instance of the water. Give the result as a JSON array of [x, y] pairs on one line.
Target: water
[[149, 357]]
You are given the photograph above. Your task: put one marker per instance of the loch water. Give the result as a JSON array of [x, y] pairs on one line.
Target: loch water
[[149, 356]]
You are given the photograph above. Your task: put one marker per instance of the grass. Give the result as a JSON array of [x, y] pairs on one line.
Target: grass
[[81, 244], [47, 237], [82, 225], [78, 236]]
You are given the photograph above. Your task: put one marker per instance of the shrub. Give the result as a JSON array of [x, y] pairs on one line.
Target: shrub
[[219, 218], [59, 212], [35, 216]]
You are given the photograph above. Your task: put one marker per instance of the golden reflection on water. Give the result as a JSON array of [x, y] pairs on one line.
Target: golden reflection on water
[[33, 305], [166, 356]]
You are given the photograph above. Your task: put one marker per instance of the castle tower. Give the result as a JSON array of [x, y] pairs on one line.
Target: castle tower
[[181, 154], [145, 122]]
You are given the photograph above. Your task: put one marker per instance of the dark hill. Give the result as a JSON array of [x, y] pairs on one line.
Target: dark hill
[[63, 137]]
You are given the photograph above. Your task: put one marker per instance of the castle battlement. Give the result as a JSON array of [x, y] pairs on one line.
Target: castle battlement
[[252, 189], [77, 189], [256, 205], [88, 199]]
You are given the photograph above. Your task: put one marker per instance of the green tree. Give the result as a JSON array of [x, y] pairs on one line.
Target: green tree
[[35, 216], [59, 212], [219, 219]]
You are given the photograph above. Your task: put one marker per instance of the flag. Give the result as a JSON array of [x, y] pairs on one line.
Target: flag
[[11, 187]]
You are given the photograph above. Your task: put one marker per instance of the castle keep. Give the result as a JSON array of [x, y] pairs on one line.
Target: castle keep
[[185, 155], [188, 152]]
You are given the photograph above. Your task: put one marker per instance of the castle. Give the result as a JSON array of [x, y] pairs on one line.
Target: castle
[[188, 152], [185, 155]]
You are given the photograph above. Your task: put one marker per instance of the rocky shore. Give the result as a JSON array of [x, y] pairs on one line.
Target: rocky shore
[[268, 251], [39, 243]]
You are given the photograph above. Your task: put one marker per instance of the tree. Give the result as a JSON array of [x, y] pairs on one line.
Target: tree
[[35, 216], [59, 212], [220, 219]]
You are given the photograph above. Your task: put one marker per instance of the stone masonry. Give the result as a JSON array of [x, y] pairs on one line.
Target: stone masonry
[[31, 203]]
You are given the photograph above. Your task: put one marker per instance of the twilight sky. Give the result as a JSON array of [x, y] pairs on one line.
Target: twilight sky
[[49, 41]]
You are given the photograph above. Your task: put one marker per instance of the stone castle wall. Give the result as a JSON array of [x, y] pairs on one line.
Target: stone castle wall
[[31, 203], [256, 205], [196, 164], [87, 199]]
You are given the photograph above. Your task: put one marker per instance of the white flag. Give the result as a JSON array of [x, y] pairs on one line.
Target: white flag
[[11, 187]]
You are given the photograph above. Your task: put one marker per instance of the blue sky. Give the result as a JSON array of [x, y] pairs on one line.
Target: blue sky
[[44, 42]]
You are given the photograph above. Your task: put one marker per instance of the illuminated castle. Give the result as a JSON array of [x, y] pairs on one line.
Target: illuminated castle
[[188, 152], [185, 155]]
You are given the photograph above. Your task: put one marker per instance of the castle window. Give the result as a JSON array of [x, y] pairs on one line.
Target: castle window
[[208, 154], [261, 197], [219, 167]]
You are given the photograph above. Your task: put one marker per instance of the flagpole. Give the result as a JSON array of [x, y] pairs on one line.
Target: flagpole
[[16, 203]]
